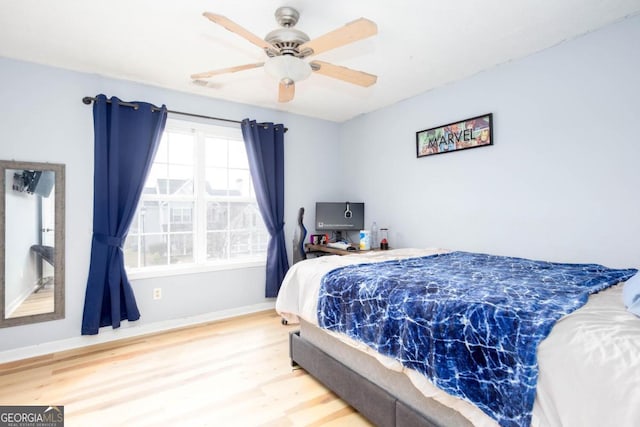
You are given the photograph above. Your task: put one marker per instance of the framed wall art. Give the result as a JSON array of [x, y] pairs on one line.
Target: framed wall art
[[468, 133]]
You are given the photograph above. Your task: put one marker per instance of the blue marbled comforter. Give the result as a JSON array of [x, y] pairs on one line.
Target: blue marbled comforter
[[470, 322]]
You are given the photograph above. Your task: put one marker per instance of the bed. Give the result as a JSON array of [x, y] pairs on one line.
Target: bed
[[587, 366]]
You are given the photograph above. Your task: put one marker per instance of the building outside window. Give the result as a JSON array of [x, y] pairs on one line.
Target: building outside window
[[198, 207]]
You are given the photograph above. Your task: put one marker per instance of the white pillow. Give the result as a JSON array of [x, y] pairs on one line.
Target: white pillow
[[631, 294]]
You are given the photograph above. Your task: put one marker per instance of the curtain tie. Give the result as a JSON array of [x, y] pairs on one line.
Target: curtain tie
[[109, 240]]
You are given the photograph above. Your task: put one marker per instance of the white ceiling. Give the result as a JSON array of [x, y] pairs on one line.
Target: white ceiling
[[421, 44]]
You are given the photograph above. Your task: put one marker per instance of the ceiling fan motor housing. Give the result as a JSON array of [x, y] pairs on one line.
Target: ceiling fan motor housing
[[286, 39]]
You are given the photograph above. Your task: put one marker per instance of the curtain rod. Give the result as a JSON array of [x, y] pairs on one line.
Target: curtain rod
[[88, 100]]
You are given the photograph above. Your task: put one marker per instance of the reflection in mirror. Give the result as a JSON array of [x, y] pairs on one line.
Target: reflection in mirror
[[32, 235]]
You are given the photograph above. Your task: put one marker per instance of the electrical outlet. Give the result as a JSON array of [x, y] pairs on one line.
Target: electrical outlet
[[157, 293]]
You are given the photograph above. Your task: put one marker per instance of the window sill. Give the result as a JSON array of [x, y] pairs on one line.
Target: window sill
[[180, 270]]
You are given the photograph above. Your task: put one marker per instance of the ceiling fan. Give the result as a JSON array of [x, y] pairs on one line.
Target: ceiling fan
[[287, 48]]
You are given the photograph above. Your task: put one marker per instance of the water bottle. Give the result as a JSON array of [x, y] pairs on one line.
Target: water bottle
[[374, 236]]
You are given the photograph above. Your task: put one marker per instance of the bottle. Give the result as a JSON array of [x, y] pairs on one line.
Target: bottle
[[384, 243], [374, 236]]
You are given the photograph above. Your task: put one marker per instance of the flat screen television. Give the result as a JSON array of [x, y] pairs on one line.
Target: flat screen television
[[339, 216]]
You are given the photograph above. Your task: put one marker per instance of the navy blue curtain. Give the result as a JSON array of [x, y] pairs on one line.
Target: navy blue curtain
[[265, 149], [126, 140]]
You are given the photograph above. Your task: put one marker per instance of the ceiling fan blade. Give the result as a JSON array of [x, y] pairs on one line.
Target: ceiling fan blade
[[235, 69], [286, 90], [351, 32], [235, 28], [343, 73]]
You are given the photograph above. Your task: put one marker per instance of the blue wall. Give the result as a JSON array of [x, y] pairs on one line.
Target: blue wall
[[43, 119], [560, 183], [562, 180]]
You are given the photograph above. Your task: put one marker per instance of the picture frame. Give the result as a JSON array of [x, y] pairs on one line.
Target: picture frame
[[473, 132]]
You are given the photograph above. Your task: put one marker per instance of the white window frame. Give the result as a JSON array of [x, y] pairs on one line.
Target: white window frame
[[200, 200]]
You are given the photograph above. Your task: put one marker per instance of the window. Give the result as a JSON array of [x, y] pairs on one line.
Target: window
[[198, 205]]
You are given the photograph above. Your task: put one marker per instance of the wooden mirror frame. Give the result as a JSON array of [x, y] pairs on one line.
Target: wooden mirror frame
[[59, 242]]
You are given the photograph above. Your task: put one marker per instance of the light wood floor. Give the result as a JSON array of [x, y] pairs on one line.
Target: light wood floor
[[36, 303], [230, 373]]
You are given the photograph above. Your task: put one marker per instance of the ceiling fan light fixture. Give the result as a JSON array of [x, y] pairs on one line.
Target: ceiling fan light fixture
[[287, 67]]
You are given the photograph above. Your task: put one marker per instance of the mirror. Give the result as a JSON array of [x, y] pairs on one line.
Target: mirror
[[31, 242]]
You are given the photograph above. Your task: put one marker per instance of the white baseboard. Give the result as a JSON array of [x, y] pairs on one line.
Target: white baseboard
[[127, 330]]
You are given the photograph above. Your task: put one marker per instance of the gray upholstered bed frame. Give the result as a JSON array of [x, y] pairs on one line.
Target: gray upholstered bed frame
[[387, 398]]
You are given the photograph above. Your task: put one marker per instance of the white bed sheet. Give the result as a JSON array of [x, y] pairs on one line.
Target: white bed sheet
[[589, 365]]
